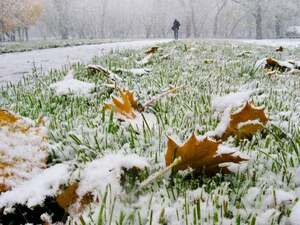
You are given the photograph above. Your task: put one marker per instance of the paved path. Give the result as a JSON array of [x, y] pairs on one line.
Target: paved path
[[14, 66], [286, 43]]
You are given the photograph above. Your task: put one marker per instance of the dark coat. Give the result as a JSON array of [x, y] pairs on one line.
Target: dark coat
[[176, 25]]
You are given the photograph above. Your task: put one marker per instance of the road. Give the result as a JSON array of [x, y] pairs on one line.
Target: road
[[14, 66]]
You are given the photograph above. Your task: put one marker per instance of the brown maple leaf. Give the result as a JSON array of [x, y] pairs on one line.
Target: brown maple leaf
[[280, 49], [126, 106], [69, 197], [246, 121], [7, 118], [200, 155], [281, 66], [152, 50]]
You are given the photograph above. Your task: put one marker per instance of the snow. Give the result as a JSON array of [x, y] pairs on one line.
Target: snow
[[224, 149], [265, 217], [14, 66], [295, 214], [222, 126], [69, 85], [297, 177], [146, 60], [33, 192], [137, 71], [249, 122], [23, 151], [287, 43], [108, 170], [220, 103]]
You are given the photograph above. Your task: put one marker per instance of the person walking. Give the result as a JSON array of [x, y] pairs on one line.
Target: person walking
[[175, 28]]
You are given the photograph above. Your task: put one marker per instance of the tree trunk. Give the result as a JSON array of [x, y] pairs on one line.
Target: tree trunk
[[216, 20], [26, 33], [277, 27], [258, 23], [188, 30], [194, 23]]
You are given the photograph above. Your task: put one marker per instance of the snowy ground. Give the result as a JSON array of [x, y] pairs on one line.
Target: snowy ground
[[215, 74], [13, 66], [287, 43]]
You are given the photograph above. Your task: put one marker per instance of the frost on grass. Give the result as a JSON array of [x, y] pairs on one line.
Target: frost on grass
[[70, 85], [265, 190]]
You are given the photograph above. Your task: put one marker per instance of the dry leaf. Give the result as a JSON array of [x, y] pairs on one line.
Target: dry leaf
[[277, 65], [126, 106], [200, 155], [109, 74], [69, 197], [7, 118], [280, 49], [152, 50], [246, 121]]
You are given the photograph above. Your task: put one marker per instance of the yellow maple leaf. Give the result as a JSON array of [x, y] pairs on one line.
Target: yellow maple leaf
[[7, 118], [246, 121], [200, 155], [125, 106]]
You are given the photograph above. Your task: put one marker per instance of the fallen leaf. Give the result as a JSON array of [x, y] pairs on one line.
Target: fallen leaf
[[281, 66], [280, 49], [200, 155], [246, 121], [7, 118], [69, 197], [106, 72], [126, 106], [152, 50]]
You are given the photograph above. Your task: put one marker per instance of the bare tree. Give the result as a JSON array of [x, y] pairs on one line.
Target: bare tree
[[220, 5]]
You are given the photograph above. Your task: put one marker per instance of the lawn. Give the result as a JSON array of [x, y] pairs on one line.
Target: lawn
[[10, 47], [262, 191]]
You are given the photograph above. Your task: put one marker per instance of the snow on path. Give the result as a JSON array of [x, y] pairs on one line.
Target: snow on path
[[287, 43], [14, 66]]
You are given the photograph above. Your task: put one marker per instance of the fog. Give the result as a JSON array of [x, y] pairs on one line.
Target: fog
[[125, 19]]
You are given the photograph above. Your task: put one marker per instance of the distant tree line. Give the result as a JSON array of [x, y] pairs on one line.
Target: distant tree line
[[16, 16], [147, 18]]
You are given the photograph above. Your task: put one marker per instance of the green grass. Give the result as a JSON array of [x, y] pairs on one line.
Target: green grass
[[78, 129]]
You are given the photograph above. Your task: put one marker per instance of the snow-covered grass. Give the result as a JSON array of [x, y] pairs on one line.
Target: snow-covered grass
[[264, 192], [22, 46]]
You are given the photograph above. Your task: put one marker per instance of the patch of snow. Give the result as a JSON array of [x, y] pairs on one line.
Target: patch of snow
[[295, 214], [222, 126], [146, 60], [33, 192], [140, 121], [137, 71], [107, 171], [23, 151], [266, 217], [69, 85], [220, 103], [225, 149], [249, 122]]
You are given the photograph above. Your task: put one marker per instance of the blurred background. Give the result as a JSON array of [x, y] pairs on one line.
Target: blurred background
[[22, 20]]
